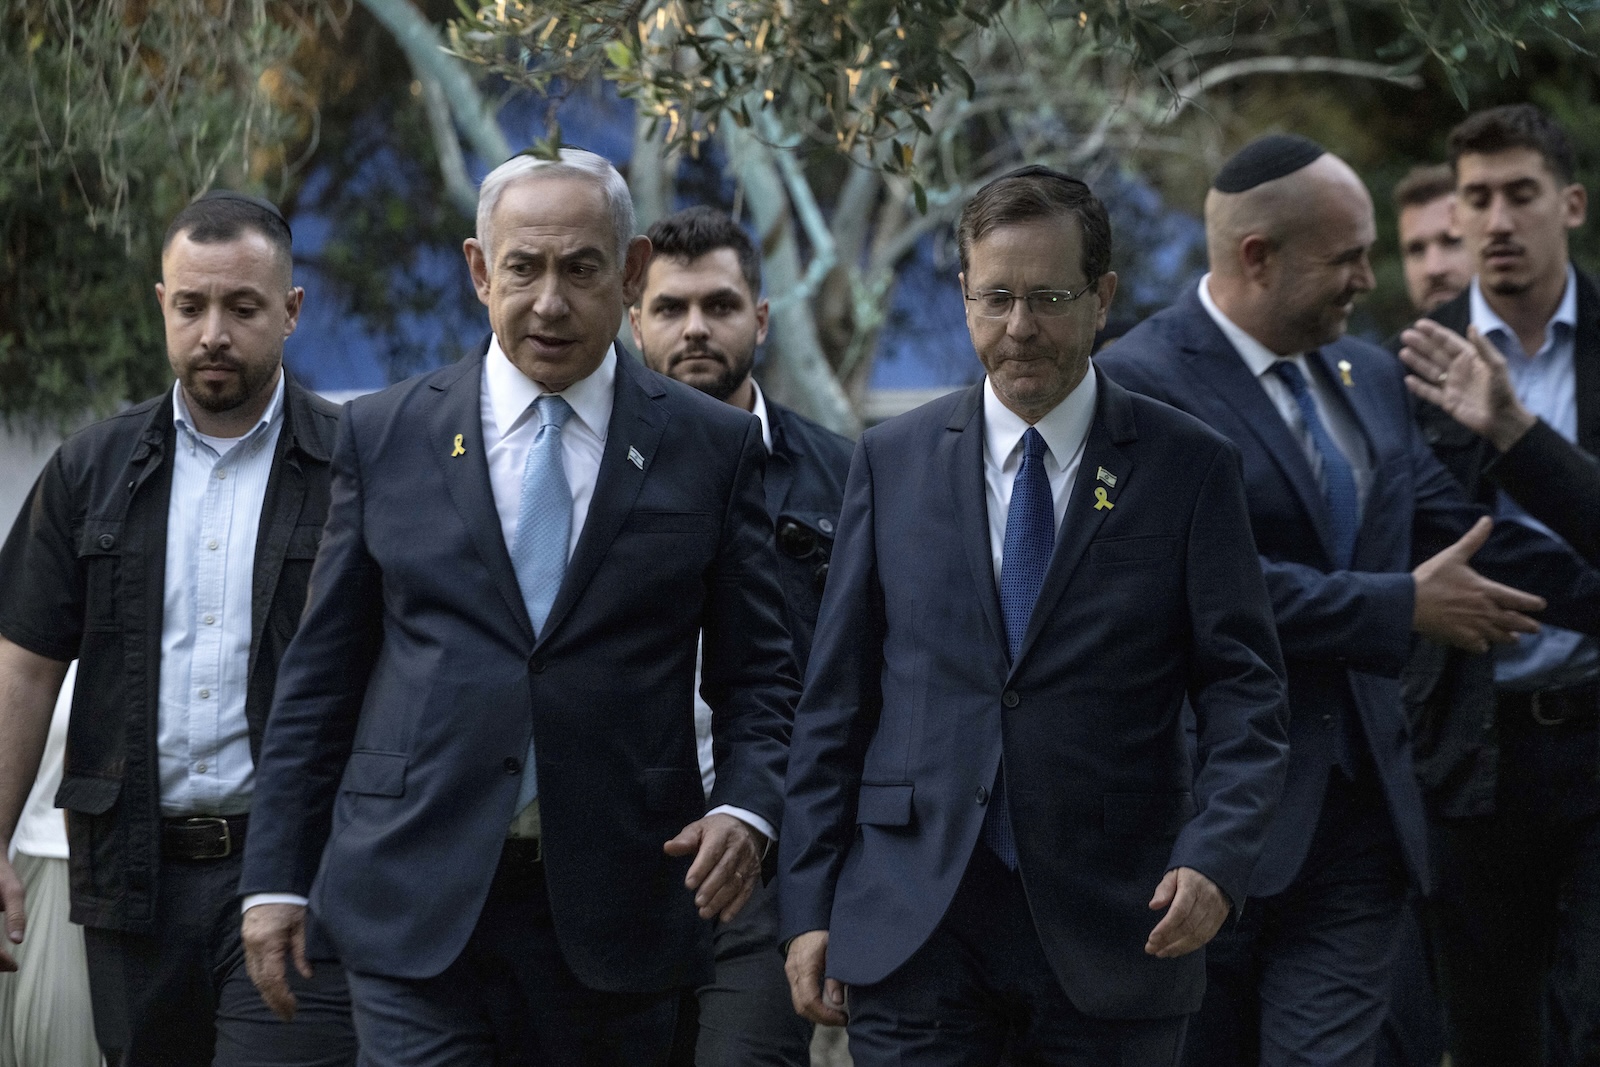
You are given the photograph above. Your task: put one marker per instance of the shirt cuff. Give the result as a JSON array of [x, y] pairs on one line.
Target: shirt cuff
[[749, 818], [272, 898]]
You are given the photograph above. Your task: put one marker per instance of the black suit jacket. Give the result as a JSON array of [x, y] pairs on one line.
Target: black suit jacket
[[1450, 693], [1151, 598], [394, 753], [1557, 483], [805, 488]]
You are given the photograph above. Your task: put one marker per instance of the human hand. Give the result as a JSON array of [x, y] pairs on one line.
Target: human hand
[[273, 933], [1467, 378], [727, 863], [815, 998], [1457, 605], [1195, 911], [13, 901]]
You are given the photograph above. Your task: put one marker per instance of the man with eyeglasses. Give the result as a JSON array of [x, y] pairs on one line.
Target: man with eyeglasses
[[699, 320], [1365, 540], [993, 833]]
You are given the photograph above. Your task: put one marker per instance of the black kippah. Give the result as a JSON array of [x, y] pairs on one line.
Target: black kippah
[[255, 201], [1265, 159]]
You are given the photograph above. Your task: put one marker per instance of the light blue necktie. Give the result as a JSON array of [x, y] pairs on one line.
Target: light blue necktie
[[544, 527], [1024, 559], [1338, 479]]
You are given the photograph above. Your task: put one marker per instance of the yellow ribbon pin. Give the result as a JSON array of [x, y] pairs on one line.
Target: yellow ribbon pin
[[1101, 503], [458, 450], [1344, 372]]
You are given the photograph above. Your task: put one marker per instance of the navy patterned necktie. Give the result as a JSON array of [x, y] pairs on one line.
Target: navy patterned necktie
[[1338, 479], [1024, 559]]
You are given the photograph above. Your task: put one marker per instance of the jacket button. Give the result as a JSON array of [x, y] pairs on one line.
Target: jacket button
[[513, 765], [106, 541], [1010, 698], [536, 666], [983, 795]]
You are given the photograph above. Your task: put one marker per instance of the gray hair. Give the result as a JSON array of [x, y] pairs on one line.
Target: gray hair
[[574, 163]]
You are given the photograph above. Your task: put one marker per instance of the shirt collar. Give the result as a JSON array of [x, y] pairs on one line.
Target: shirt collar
[[1064, 428], [1257, 356], [180, 409], [1487, 321], [759, 410], [512, 393]]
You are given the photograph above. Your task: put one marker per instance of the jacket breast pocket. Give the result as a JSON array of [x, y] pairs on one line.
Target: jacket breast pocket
[[669, 522], [1115, 550], [1147, 814], [99, 550], [884, 804], [379, 774]]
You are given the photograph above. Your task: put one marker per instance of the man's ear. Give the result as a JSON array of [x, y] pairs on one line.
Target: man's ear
[[1105, 288], [1576, 203], [763, 315], [478, 267], [292, 302], [633, 326], [1255, 257], [634, 266], [161, 296]]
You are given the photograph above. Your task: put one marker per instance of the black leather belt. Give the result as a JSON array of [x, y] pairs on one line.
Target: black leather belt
[[203, 837], [1554, 707]]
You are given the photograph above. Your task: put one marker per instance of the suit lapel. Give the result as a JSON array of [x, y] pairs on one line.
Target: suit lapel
[[459, 412], [1217, 368], [960, 451], [780, 467], [637, 422], [1112, 426], [1586, 364]]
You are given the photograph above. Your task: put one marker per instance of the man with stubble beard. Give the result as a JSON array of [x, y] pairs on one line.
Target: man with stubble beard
[[699, 320], [1365, 541], [168, 550]]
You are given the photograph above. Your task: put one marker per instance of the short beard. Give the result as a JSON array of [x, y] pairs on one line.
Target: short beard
[[728, 381], [246, 387]]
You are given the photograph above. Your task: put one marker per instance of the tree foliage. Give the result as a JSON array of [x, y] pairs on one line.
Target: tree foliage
[[117, 113]]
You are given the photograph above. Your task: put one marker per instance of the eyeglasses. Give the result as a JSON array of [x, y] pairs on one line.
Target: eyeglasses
[[1046, 303]]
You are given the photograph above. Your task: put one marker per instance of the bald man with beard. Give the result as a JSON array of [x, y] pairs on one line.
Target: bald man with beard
[[1365, 540]]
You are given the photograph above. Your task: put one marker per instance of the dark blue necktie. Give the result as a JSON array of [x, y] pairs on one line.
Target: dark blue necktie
[[1338, 479], [1030, 538]]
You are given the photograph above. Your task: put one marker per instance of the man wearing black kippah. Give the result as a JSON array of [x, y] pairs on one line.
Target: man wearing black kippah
[[1365, 540], [168, 550]]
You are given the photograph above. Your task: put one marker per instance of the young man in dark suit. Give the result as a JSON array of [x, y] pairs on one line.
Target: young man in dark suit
[[1516, 801], [994, 834], [699, 320], [167, 549], [481, 768], [1365, 540]]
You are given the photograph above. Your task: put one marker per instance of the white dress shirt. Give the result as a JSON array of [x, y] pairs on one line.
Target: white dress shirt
[[1065, 429], [219, 486], [1336, 418]]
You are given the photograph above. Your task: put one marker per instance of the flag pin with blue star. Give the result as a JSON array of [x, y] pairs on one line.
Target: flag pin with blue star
[[1106, 476], [635, 458]]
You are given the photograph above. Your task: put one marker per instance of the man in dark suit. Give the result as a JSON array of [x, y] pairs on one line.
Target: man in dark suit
[[1365, 540], [699, 319], [1513, 785], [481, 765], [167, 549], [989, 792]]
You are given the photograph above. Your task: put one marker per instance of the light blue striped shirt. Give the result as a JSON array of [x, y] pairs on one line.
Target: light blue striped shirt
[[219, 486], [1546, 383]]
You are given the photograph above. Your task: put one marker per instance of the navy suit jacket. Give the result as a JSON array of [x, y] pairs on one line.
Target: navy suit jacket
[[805, 485], [912, 699], [393, 755], [1346, 634]]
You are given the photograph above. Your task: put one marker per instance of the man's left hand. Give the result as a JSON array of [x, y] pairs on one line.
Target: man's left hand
[[727, 863], [1195, 911]]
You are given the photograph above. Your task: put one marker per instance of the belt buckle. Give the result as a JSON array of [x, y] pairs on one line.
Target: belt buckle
[[1536, 709], [199, 821]]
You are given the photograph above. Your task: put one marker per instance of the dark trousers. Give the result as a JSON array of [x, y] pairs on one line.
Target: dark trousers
[[1517, 914], [509, 999], [1413, 1031], [1303, 978], [981, 990], [744, 1016], [179, 996]]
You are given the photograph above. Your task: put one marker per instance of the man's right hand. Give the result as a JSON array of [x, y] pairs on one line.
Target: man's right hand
[[818, 999], [1457, 605], [12, 900], [273, 934]]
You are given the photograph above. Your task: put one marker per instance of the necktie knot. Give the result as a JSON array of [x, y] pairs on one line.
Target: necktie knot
[[553, 411], [1033, 446]]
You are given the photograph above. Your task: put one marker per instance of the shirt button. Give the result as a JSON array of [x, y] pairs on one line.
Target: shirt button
[[1010, 698], [210, 619], [205, 694], [212, 545], [221, 475], [200, 768]]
